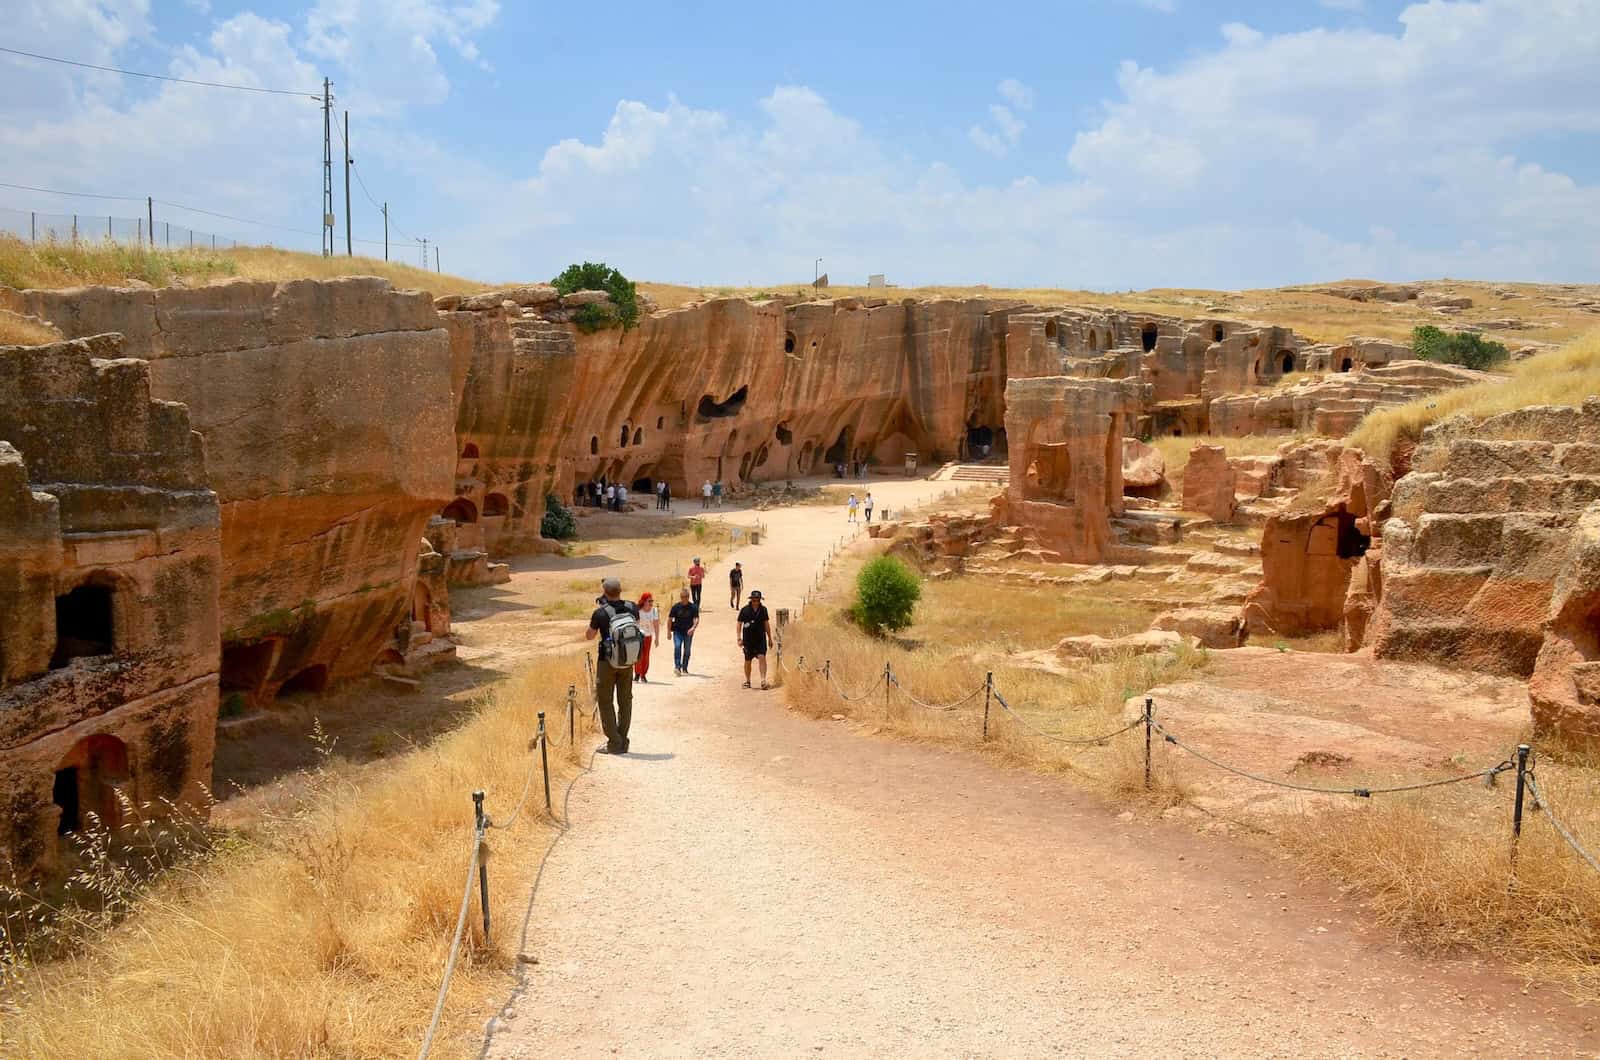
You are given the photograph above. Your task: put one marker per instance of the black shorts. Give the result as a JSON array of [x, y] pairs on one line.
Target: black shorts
[[755, 649]]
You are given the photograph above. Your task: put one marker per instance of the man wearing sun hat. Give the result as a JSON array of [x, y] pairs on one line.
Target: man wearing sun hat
[[753, 633]]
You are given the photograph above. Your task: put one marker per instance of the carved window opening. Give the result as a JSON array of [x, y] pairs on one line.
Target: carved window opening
[[625, 433], [594, 445], [788, 342], [785, 435], [311, 679], [661, 422], [1218, 333], [90, 780], [245, 668], [1050, 328], [1049, 475], [711, 409], [496, 504], [469, 451], [1346, 364], [1147, 337], [1094, 341], [638, 436], [1288, 362], [84, 624], [460, 510]]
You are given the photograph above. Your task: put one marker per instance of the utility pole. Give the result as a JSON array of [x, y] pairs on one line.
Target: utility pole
[[327, 168], [424, 243], [436, 257], [385, 231], [349, 244], [816, 276], [150, 214]]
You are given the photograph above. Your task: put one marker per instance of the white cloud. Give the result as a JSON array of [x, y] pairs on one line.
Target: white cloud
[[1016, 93]]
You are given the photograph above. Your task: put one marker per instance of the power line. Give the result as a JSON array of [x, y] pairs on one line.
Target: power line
[[159, 77], [74, 194], [367, 192]]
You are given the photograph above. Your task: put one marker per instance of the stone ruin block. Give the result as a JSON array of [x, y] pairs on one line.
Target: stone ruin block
[[1065, 437], [109, 578]]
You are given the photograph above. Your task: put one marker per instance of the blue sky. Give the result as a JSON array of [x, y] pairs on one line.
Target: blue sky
[[1129, 143]]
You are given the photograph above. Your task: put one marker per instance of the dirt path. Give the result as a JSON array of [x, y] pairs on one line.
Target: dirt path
[[753, 883]]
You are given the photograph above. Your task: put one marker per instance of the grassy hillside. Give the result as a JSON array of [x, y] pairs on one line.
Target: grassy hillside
[[48, 265], [1547, 311], [1558, 377]]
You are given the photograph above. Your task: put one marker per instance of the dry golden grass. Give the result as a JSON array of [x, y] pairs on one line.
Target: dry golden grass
[[1437, 868], [965, 628], [1318, 316], [1557, 377], [19, 330], [53, 265], [1175, 451], [324, 931]]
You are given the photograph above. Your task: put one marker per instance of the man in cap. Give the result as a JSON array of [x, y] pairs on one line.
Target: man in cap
[[753, 634], [612, 681]]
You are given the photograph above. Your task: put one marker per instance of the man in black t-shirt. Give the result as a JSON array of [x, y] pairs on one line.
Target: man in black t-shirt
[[612, 680], [735, 584], [683, 619], [754, 631]]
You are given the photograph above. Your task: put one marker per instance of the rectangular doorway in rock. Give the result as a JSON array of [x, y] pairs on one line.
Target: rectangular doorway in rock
[[65, 795], [1049, 473], [84, 624]]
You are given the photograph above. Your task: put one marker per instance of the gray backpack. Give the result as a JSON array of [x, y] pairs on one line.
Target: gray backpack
[[626, 638]]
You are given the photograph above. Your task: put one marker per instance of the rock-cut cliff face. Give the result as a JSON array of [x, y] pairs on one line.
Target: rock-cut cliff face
[[733, 390], [327, 414]]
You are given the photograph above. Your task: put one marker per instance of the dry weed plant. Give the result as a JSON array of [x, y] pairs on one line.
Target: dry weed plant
[[320, 931]]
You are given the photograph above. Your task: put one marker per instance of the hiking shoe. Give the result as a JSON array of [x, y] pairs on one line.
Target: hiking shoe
[[764, 686], [745, 685], [604, 749]]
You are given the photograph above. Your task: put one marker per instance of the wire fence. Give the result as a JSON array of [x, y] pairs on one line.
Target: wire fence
[[76, 228]]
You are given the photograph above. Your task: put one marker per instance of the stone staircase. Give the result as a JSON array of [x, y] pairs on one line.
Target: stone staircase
[[991, 474]]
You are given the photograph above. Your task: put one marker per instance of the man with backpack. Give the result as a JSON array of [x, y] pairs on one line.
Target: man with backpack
[[735, 583], [616, 623]]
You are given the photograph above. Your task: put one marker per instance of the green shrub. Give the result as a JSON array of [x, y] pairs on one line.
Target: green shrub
[[886, 592], [1466, 348], [558, 521], [598, 276]]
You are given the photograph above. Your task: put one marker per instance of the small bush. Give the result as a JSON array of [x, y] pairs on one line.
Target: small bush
[[598, 276], [886, 592], [1466, 348], [558, 521]]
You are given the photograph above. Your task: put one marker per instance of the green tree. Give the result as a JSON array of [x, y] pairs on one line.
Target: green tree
[[558, 521], [886, 592], [598, 276], [1466, 348]]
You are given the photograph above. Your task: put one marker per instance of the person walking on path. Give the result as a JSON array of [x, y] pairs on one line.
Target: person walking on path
[[716, 493], [851, 504], [868, 506], [666, 495], [735, 584], [616, 623], [649, 623], [661, 495], [697, 575], [622, 498], [705, 495], [682, 620], [611, 498], [753, 629]]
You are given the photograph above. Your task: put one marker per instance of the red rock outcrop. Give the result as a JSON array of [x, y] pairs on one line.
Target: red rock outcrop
[[109, 568], [328, 418], [1332, 405], [1308, 555], [1209, 483], [1565, 686]]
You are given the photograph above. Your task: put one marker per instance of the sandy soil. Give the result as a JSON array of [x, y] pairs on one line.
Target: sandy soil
[[753, 883]]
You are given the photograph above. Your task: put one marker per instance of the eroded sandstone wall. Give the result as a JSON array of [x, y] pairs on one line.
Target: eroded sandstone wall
[[110, 562], [1484, 529], [328, 416]]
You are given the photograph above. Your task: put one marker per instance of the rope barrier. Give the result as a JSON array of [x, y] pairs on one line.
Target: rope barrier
[[1364, 793], [1071, 741], [455, 948], [952, 705], [522, 800], [1555, 822]]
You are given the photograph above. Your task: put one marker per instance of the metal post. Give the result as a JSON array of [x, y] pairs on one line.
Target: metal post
[[544, 760], [166, 226], [988, 692], [888, 679], [150, 214], [572, 714], [139, 229], [327, 168], [436, 257], [33, 226], [1149, 723], [385, 231], [109, 233], [483, 869], [349, 245], [74, 228], [1522, 781]]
